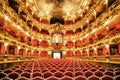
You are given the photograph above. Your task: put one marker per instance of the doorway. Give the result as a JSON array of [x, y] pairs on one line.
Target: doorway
[[57, 54]]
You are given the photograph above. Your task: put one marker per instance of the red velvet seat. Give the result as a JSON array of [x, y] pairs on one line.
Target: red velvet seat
[[35, 74], [117, 77], [80, 78], [53, 70], [26, 74], [37, 78], [2, 75], [69, 73], [36, 70], [7, 71], [85, 69], [66, 78], [52, 78], [77, 73], [13, 75], [5, 78], [117, 73], [93, 69], [88, 73], [18, 71], [62, 70], [109, 73], [102, 69], [99, 73], [106, 77], [110, 69], [44, 70], [28, 70], [117, 69], [22, 78], [47, 74], [58, 74], [93, 77], [77, 69]]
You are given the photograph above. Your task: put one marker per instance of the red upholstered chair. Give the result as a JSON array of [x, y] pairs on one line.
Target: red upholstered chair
[[66, 78], [37, 78], [117, 73], [5, 78], [109, 73], [99, 73], [13, 75], [80, 78], [93, 77], [22, 78], [62, 70], [77, 73], [47, 74], [44, 70], [102, 69], [28, 70], [53, 70], [36, 70], [0, 70], [69, 69], [25, 74], [52, 78], [88, 73], [93, 69], [117, 77], [7, 71], [77, 69], [35, 74], [69, 73], [85, 69], [2, 75], [58, 74], [107, 77], [110, 69], [117, 69], [18, 71]]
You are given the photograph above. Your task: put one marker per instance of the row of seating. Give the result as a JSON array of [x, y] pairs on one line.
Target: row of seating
[[60, 69]]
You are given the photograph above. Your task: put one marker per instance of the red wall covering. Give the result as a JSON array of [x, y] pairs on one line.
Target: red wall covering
[[44, 44], [69, 54], [44, 54], [77, 54], [70, 44], [78, 43], [104, 52], [119, 49], [35, 53]]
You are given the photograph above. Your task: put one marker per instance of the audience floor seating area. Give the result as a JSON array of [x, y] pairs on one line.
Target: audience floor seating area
[[59, 69]]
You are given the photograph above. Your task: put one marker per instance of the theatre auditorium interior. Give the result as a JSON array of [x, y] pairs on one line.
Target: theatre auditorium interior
[[59, 39]]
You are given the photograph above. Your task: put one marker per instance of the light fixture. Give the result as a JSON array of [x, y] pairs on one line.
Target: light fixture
[[6, 44], [7, 18], [32, 37], [27, 33], [47, 12], [107, 45], [40, 40], [106, 1], [68, 13], [94, 30], [19, 47], [106, 23], [81, 38]]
